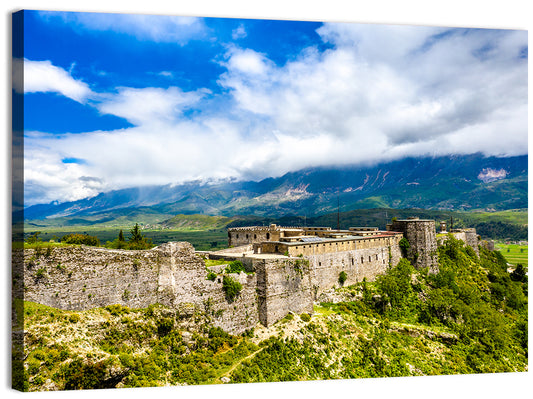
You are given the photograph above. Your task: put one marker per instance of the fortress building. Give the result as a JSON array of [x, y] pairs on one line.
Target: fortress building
[[288, 268]]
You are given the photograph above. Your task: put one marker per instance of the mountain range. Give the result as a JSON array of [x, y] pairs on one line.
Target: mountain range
[[458, 182]]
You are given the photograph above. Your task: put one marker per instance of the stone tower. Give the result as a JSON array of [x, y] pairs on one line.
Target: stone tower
[[422, 239]]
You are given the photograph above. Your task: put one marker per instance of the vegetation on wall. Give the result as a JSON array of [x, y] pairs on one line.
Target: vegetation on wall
[[231, 287]]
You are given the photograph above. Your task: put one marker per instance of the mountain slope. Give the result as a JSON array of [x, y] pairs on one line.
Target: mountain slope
[[453, 182]]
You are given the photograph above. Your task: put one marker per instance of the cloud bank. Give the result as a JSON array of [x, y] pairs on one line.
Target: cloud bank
[[377, 93]]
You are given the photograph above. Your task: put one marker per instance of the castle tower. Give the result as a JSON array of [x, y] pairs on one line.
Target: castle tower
[[443, 228], [422, 239]]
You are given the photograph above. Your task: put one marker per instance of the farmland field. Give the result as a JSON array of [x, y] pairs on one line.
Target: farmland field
[[514, 253], [201, 240]]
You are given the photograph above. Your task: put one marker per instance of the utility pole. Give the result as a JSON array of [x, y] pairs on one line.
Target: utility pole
[[338, 213]]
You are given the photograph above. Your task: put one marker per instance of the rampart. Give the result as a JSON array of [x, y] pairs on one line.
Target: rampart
[[80, 278]]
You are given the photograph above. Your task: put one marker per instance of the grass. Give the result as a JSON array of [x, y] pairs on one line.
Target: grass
[[514, 253], [215, 262]]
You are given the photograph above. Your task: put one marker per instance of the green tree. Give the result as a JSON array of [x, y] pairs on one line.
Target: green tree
[[121, 236], [519, 274], [34, 238], [136, 235]]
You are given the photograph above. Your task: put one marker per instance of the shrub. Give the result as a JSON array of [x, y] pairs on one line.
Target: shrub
[[305, 317], [74, 318], [80, 239], [117, 310], [211, 276], [164, 326], [40, 273], [231, 287], [342, 277], [235, 266]]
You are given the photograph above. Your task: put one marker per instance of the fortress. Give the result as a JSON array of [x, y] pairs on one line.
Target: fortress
[[287, 269]]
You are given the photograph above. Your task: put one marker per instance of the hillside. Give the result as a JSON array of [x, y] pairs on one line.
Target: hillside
[[452, 183], [471, 317]]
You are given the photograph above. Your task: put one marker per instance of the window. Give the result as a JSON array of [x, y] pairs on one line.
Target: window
[[362, 260], [370, 259], [237, 236], [255, 236], [268, 236], [246, 236]]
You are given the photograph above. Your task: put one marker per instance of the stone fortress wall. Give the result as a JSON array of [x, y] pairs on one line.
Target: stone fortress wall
[[80, 278], [287, 271]]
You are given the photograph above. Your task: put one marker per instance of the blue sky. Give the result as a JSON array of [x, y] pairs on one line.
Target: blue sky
[[116, 100]]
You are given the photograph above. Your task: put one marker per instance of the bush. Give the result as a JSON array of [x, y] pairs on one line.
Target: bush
[[80, 239], [305, 317], [342, 277], [235, 266], [211, 276], [231, 287], [164, 326]]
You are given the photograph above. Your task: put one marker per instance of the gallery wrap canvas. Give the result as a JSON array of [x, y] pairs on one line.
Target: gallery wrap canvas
[[220, 200]]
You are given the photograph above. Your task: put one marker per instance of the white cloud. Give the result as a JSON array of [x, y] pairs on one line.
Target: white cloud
[[42, 76], [157, 28], [148, 106], [406, 87], [239, 32]]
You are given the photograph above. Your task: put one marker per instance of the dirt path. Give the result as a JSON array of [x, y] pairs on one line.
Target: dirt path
[[228, 373]]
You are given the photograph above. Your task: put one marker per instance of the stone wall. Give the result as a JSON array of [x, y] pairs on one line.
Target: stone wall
[[284, 285], [79, 278], [357, 264], [468, 236], [239, 236]]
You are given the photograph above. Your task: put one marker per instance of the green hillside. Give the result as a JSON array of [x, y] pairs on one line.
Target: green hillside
[[196, 222], [471, 317]]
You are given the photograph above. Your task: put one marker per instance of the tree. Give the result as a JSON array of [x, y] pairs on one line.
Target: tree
[[33, 238], [519, 274], [121, 236], [136, 235], [138, 240]]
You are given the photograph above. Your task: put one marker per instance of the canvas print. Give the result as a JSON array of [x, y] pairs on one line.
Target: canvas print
[[221, 200]]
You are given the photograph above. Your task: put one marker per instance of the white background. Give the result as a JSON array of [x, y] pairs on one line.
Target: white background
[[502, 14]]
